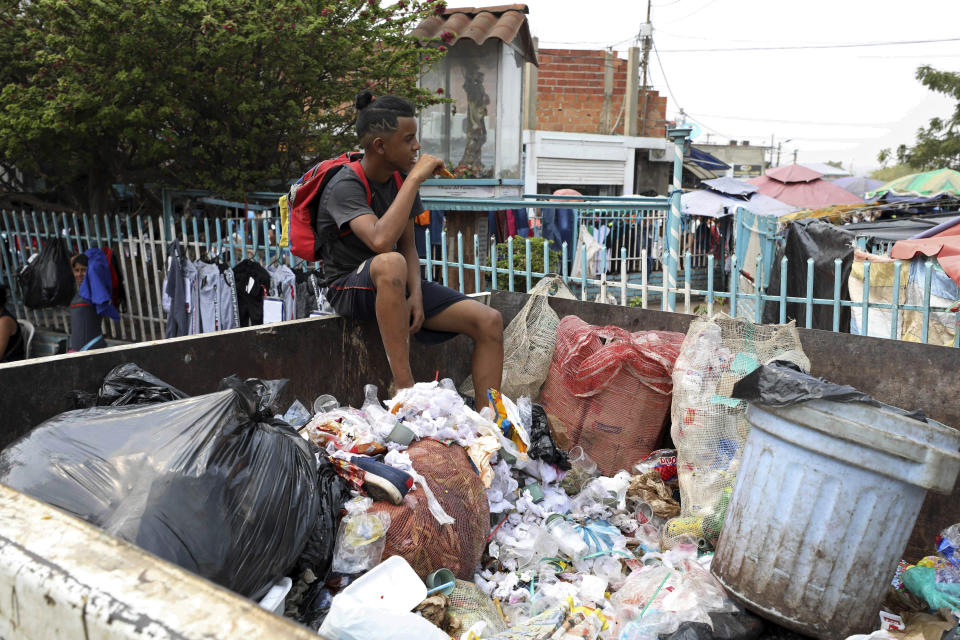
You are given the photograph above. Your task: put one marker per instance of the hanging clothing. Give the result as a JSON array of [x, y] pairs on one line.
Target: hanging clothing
[[306, 298], [192, 276], [97, 286], [116, 279], [511, 223], [252, 283], [283, 285], [522, 221], [215, 302], [175, 294]]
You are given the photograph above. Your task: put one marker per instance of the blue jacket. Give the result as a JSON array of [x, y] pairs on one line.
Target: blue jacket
[[97, 286]]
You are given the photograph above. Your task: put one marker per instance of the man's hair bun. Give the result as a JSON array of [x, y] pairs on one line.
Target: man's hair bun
[[364, 98]]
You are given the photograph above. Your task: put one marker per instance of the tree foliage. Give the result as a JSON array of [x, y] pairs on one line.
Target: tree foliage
[[938, 144], [892, 173], [227, 95]]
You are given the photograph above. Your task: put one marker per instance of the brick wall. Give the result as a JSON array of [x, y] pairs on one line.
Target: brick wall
[[570, 94]]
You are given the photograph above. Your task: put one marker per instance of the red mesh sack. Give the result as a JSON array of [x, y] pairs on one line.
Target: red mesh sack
[[608, 390], [417, 536]]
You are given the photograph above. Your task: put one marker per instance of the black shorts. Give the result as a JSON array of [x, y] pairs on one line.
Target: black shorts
[[353, 296]]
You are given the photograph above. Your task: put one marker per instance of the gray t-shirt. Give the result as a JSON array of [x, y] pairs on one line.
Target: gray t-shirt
[[342, 200]]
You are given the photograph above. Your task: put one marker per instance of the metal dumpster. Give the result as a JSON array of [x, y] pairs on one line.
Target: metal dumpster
[[60, 577]]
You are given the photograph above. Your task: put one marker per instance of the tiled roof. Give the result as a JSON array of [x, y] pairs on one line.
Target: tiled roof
[[505, 22]]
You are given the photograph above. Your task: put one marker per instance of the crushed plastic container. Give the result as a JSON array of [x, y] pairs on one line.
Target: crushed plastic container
[[824, 503], [276, 598], [392, 585]]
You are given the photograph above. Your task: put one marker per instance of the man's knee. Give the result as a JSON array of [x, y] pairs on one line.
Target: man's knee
[[489, 325], [388, 270]]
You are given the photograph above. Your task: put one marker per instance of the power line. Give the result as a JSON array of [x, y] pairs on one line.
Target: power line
[[810, 122], [691, 14], [816, 46]]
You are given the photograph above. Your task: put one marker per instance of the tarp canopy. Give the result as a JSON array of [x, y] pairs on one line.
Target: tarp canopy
[[802, 187], [945, 246], [929, 184], [730, 186], [705, 160], [858, 185], [709, 203]]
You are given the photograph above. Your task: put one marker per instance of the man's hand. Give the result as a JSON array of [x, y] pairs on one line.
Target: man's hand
[[425, 168], [416, 312]]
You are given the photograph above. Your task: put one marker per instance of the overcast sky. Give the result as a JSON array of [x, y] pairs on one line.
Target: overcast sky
[[832, 103]]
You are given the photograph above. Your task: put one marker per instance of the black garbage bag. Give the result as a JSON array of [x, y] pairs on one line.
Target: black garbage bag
[[332, 492], [781, 384], [825, 243], [47, 281], [129, 384], [209, 483], [542, 446], [735, 625]]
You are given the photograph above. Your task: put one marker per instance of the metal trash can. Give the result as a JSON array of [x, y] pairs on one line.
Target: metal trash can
[[825, 501]]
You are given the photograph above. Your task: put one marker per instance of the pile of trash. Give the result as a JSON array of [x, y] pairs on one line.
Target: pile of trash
[[594, 515]]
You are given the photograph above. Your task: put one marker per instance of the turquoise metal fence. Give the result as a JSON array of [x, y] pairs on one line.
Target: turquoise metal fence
[[630, 272]]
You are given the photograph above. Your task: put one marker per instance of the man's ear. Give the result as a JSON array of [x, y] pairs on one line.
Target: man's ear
[[378, 145]]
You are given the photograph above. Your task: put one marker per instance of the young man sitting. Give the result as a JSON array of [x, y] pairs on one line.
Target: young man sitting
[[371, 266]]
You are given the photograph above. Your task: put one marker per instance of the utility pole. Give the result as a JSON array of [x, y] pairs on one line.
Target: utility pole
[[795, 156], [630, 99], [778, 153], [646, 32]]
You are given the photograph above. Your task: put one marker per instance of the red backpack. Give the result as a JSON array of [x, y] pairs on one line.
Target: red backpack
[[304, 198]]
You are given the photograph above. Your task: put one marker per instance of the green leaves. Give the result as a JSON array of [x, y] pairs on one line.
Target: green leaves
[[227, 95], [938, 144]]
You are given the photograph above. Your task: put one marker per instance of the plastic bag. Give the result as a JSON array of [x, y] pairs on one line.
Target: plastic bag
[[297, 414], [206, 482], [353, 619], [529, 341], [608, 391], [332, 491], [542, 446], [709, 427], [781, 384], [128, 384], [361, 538], [47, 280]]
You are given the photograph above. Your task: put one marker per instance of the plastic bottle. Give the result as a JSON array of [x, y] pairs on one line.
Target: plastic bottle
[[381, 421], [568, 540]]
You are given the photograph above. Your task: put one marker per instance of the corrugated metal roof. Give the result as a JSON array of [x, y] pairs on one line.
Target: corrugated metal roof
[[506, 22]]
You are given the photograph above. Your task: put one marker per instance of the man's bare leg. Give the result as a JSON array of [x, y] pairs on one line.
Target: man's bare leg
[[388, 271], [485, 325]]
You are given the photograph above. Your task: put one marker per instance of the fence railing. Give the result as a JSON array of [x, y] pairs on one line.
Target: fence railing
[[632, 276]]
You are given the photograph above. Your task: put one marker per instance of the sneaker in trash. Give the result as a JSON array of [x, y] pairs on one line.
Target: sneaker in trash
[[383, 482]]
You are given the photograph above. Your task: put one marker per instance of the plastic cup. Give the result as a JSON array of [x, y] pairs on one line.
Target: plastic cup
[[439, 578], [324, 403], [536, 492], [401, 434]]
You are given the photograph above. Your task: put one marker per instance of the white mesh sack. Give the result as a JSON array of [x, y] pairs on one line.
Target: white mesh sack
[[708, 427], [529, 341]]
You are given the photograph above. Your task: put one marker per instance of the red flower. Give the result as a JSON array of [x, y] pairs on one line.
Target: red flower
[[441, 48], [439, 8], [324, 12], [440, 91], [447, 36]]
